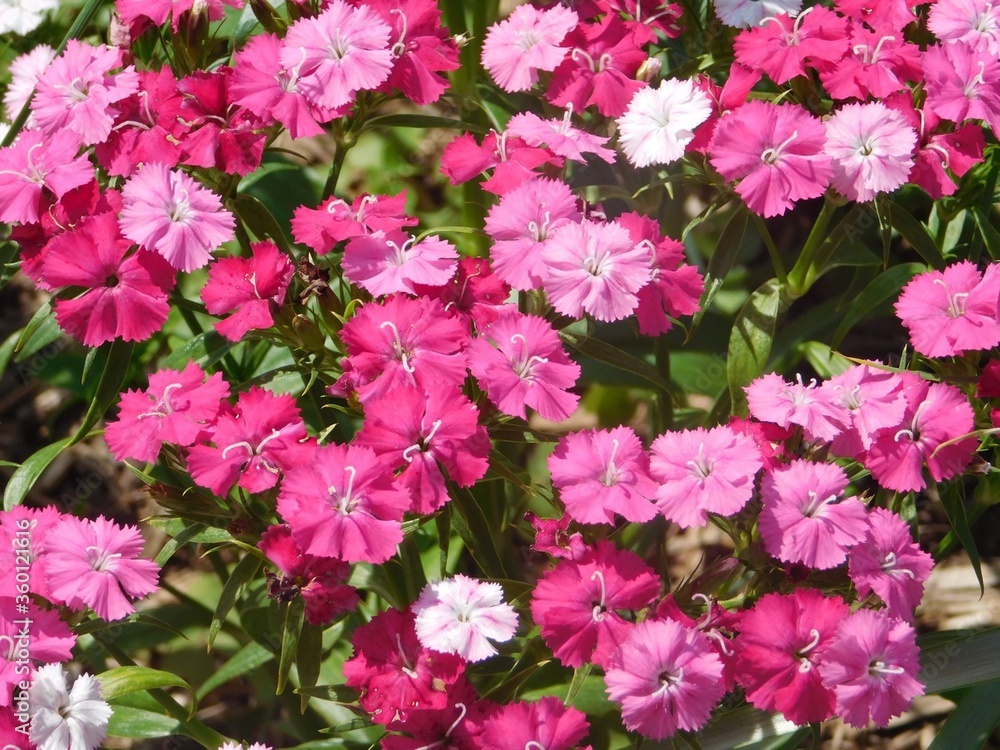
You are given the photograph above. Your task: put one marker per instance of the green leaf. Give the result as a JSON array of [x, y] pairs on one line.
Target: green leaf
[[43, 320], [612, 355], [423, 121], [239, 579], [290, 634], [206, 348], [24, 478], [721, 262], [751, 339], [256, 216], [916, 234], [113, 376], [308, 657], [991, 237], [826, 362], [476, 531], [121, 681], [244, 661], [138, 723], [335, 693], [974, 719], [883, 287], [580, 675], [956, 660], [954, 508]]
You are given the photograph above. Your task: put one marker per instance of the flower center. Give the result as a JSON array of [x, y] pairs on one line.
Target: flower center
[[345, 501], [770, 155]]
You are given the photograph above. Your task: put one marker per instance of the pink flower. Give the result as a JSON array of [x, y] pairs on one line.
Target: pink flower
[[871, 665], [577, 603], [666, 677], [603, 472], [952, 311], [456, 726], [510, 158], [974, 21], [383, 263], [343, 504], [96, 564], [251, 287], [335, 220], [461, 615], [889, 563], [475, 293], [127, 296], [521, 226], [805, 518], [526, 367], [158, 11], [319, 580], [552, 537], [703, 471], [771, 399], [784, 47], [168, 212], [341, 51], [252, 443], [876, 64], [527, 41], [77, 92], [595, 267], [22, 533], [776, 151], [660, 122], [177, 408], [888, 15], [781, 643], [46, 639], [559, 136], [24, 72], [963, 83], [753, 12], [546, 723], [35, 162], [871, 399]]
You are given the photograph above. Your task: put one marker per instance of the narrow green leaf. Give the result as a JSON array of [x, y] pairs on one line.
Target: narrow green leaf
[[309, 656], [423, 121], [991, 237], [259, 220], [7, 350], [475, 530], [883, 287], [443, 523], [24, 478], [110, 385], [121, 681], [206, 348], [976, 716], [751, 339], [334, 693], [44, 316], [612, 355], [348, 726], [180, 528], [916, 234], [140, 724], [290, 634], [954, 508], [580, 675], [241, 576], [956, 660], [722, 262]]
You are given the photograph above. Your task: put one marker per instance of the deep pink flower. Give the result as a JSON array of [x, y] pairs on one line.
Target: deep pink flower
[[158, 11], [772, 399], [168, 212], [805, 518], [510, 158], [335, 220], [127, 296], [96, 564], [889, 563], [887, 15], [577, 603], [952, 311], [784, 47], [475, 293], [871, 665], [703, 471], [252, 443], [22, 535], [527, 41], [35, 162], [461, 615], [871, 399], [559, 136], [769, 439], [989, 380], [41, 632], [721, 100], [341, 51], [974, 21], [600, 473], [319, 580], [457, 725], [177, 408], [546, 723], [781, 642], [666, 677], [877, 63], [872, 150], [248, 286], [383, 263], [553, 538]]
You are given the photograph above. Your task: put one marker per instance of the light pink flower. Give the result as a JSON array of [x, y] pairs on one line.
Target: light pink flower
[[168, 212], [963, 83], [742, 13], [559, 136], [36, 162], [872, 150], [596, 268], [703, 471], [772, 399], [48, 640], [546, 723], [527, 41], [871, 399], [974, 21], [24, 72], [20, 551], [386, 263], [461, 615], [666, 677], [660, 122]]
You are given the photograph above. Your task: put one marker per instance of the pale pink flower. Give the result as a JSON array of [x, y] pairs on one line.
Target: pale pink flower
[[871, 399], [386, 263], [461, 615], [872, 150], [772, 399], [33, 163], [527, 41], [963, 83], [341, 51], [742, 13], [238, 746], [660, 122], [559, 135], [595, 268], [24, 73], [974, 21], [168, 212]]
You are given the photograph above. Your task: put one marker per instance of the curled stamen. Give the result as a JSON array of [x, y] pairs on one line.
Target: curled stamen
[[577, 53], [943, 152], [770, 155], [243, 444], [708, 609], [598, 612], [533, 745], [407, 664], [540, 231], [565, 125], [904, 431], [978, 80], [368, 200], [401, 352], [702, 467], [611, 471], [879, 667], [274, 434], [956, 301], [344, 501], [889, 563], [519, 337], [815, 636], [11, 650], [501, 147], [461, 715], [400, 46], [337, 204], [722, 641]]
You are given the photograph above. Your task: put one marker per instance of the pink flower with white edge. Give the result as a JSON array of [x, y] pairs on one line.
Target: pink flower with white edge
[[167, 212], [872, 150], [559, 136], [665, 677], [527, 41], [386, 263], [703, 471], [743, 13], [871, 665], [96, 564], [24, 72], [806, 519], [33, 163], [660, 122], [974, 21], [772, 399], [461, 615], [595, 268], [341, 51]]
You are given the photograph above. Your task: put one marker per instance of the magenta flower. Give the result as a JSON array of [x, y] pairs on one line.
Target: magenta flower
[[805, 518], [341, 51], [871, 399], [784, 47], [521, 226], [782, 641], [963, 83], [343, 504], [475, 294], [976, 22], [383, 263], [577, 603], [510, 158], [600, 473], [177, 408], [660, 122], [871, 665], [525, 367], [127, 296], [21, 551], [776, 151], [249, 286], [158, 11], [703, 471], [889, 563], [872, 150], [552, 537], [666, 677], [888, 15], [774, 400], [335, 220], [47, 640], [876, 64], [559, 136], [596, 268], [461, 615], [35, 162], [96, 564], [456, 726], [525, 42], [168, 212], [546, 723]]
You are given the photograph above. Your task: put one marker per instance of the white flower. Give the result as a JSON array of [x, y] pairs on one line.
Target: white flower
[[238, 746], [23, 16], [660, 122], [64, 718], [24, 72], [742, 13], [458, 615]]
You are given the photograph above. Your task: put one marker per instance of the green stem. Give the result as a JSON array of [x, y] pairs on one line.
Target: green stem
[[797, 279], [665, 400], [772, 250]]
